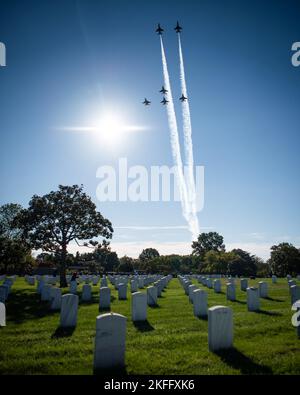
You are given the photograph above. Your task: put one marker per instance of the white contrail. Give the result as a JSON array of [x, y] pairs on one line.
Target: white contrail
[[174, 137], [188, 146]]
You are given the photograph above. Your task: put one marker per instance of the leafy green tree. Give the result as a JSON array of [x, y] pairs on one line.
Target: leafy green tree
[[8, 226], [211, 241], [126, 264], [15, 254], [52, 221], [244, 264], [262, 268], [148, 254], [284, 260], [218, 262]]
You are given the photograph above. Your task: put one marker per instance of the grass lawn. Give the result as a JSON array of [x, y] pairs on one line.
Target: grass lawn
[[173, 341]]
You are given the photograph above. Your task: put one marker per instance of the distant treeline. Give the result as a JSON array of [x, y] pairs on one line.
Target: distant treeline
[[54, 220]]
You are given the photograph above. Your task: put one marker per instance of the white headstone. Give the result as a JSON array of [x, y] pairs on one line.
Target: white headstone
[[139, 306], [152, 296], [133, 286], [200, 303], [140, 282], [209, 282], [220, 328], [291, 283], [55, 298], [122, 291], [295, 293], [110, 341], [244, 284], [104, 298], [192, 288], [86, 293], [103, 282], [73, 287], [46, 293], [253, 302], [230, 291], [31, 280], [95, 280], [2, 314], [68, 312], [3, 292], [263, 289], [274, 279], [217, 286]]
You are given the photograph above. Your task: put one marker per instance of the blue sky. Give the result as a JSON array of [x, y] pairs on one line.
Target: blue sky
[[70, 62]]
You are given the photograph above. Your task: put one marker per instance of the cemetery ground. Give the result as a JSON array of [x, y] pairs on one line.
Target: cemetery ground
[[172, 341]]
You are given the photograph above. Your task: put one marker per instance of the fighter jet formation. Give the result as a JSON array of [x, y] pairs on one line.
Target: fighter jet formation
[[164, 101], [146, 102]]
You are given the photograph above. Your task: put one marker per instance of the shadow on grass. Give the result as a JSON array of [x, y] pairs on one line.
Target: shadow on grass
[[155, 306], [237, 360], [270, 313], [112, 298], [238, 301], [117, 371], [104, 310], [273, 299], [202, 318], [61, 332], [24, 305], [143, 326]]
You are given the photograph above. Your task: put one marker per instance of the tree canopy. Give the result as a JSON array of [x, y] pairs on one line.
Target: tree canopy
[[284, 260], [52, 221], [211, 241], [148, 253]]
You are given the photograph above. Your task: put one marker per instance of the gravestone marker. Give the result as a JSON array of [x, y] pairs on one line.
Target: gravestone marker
[[55, 298], [2, 314], [253, 302], [139, 306], [244, 284], [68, 312], [230, 291], [110, 341], [263, 289], [73, 287], [86, 293], [104, 298], [152, 296], [220, 328], [200, 303], [122, 291]]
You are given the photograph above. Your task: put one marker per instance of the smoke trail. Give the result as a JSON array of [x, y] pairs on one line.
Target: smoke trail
[[174, 137], [188, 146]]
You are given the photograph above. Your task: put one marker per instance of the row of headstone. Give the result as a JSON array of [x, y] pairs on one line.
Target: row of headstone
[[5, 288], [110, 339]]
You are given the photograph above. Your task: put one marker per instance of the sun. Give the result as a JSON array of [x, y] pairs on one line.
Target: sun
[[111, 129]]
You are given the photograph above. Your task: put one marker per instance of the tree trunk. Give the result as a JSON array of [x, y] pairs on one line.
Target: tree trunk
[[62, 271]]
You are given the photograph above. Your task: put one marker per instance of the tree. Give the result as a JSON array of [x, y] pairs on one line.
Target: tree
[[52, 221], [8, 215], [284, 260], [126, 264], [15, 254], [262, 268], [211, 241], [244, 264], [148, 254], [218, 262]]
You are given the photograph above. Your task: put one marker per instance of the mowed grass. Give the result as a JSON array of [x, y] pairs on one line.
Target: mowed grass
[[172, 341]]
